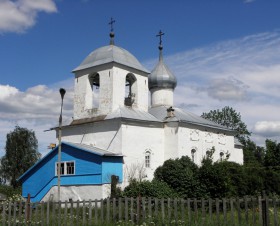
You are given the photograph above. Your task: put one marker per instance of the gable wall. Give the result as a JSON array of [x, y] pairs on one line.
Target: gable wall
[[104, 134], [87, 171]]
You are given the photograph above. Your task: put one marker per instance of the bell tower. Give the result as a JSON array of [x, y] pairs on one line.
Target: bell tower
[[109, 78]]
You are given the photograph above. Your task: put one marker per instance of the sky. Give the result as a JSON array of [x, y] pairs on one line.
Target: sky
[[223, 53]]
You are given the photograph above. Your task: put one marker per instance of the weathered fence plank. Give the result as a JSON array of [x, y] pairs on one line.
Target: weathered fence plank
[[225, 210], [162, 208], [246, 209], [232, 211], [183, 210], [168, 210], [189, 210], [260, 210], [120, 209], [131, 210], [175, 210], [143, 208], [150, 207], [126, 208]]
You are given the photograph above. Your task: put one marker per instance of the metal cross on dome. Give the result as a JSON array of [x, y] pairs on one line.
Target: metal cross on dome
[[112, 21], [159, 35]]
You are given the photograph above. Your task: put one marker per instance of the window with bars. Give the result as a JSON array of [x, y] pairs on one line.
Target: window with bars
[[66, 168], [148, 159]]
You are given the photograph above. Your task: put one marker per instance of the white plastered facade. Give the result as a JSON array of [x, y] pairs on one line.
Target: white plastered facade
[[144, 143]]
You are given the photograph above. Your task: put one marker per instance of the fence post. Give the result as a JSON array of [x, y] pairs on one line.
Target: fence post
[[28, 208], [265, 214]]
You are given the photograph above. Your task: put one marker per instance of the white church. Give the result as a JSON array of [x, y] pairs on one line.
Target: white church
[[125, 124], [112, 112]]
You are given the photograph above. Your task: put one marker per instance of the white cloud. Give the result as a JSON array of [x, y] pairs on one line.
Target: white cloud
[[19, 15], [37, 108], [267, 128]]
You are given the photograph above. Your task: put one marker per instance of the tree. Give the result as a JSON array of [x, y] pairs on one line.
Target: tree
[[229, 118], [272, 154], [21, 154], [181, 175]]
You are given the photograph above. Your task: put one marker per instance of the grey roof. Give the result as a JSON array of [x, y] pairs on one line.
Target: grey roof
[[237, 142], [92, 149], [161, 76], [108, 54], [132, 113], [160, 112]]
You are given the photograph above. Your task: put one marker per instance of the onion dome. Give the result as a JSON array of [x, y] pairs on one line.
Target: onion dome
[[161, 76]]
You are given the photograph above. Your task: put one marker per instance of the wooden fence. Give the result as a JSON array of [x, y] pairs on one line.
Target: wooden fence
[[151, 211]]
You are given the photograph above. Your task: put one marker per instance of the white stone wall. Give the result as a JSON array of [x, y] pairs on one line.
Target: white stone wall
[[162, 97], [78, 192], [136, 140], [197, 138], [104, 134], [171, 141]]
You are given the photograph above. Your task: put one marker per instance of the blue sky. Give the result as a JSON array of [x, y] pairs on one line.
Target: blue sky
[[223, 52]]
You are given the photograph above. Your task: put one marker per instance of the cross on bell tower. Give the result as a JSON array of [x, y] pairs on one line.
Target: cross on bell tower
[[111, 23], [112, 34]]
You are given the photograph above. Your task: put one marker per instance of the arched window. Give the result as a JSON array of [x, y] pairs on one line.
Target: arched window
[[95, 85], [193, 151], [222, 155], [148, 159], [130, 89]]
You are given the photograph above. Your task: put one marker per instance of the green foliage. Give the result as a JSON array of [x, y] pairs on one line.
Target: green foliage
[[157, 189], [181, 175], [222, 179], [253, 154], [272, 155], [21, 154], [9, 191], [229, 118]]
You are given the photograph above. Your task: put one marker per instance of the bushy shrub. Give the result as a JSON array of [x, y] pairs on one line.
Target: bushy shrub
[[181, 175], [157, 189], [9, 191]]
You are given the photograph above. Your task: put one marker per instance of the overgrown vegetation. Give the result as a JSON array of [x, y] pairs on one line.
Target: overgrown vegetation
[[21, 153]]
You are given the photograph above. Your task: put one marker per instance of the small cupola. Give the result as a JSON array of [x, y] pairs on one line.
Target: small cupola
[[162, 81]]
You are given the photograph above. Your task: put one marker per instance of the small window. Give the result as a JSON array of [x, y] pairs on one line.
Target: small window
[[70, 167], [193, 153], [148, 159], [222, 155], [66, 168]]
